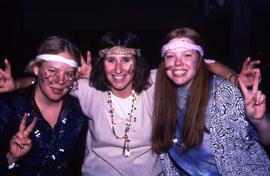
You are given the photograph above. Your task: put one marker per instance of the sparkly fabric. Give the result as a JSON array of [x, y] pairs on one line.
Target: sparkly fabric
[[52, 148]]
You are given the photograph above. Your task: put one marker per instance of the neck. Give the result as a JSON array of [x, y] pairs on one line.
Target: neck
[[44, 104], [122, 93]]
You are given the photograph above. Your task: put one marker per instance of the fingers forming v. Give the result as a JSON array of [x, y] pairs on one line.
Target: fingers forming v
[[23, 122], [30, 128], [243, 88], [88, 58], [8, 67], [26, 130], [246, 63], [256, 84]]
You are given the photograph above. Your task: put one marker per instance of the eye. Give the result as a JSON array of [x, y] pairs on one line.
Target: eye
[[169, 56], [126, 59], [188, 54], [110, 60], [51, 71], [69, 75]]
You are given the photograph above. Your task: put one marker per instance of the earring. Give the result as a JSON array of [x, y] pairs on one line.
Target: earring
[[74, 86]]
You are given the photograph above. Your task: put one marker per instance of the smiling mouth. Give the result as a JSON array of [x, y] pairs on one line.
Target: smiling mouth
[[179, 72], [57, 90], [118, 77]]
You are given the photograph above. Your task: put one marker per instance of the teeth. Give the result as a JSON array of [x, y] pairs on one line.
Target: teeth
[[118, 77], [179, 72]]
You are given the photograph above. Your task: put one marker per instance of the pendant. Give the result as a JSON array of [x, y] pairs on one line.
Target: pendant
[[126, 148], [126, 153], [175, 140]]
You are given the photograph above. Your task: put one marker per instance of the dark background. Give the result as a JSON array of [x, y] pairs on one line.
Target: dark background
[[232, 29]]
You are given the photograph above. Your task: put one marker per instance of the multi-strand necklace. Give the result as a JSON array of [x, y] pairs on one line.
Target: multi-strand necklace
[[131, 118]]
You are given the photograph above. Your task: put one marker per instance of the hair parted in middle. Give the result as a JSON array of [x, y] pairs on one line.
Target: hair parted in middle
[[127, 40], [166, 110]]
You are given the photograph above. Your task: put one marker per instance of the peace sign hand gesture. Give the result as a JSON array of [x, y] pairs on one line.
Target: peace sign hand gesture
[[255, 103], [86, 67], [7, 83], [20, 144], [249, 71]]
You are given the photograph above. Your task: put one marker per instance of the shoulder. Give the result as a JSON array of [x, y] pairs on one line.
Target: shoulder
[[226, 95], [82, 89], [17, 100], [223, 85], [83, 83], [74, 108], [153, 75], [12, 108]]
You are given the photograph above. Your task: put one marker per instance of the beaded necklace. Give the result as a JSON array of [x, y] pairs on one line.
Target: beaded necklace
[[128, 121]]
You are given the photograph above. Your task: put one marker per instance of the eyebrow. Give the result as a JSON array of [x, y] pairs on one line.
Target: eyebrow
[[60, 69]]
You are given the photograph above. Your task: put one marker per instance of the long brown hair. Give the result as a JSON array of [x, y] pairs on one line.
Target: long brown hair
[[166, 100]]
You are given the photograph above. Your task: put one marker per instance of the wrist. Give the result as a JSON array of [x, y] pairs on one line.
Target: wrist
[[233, 77], [11, 161], [261, 123]]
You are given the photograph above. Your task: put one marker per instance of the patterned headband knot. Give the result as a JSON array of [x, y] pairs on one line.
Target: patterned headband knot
[[119, 50]]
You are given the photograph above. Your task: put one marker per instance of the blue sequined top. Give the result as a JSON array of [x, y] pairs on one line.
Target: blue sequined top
[[52, 148]]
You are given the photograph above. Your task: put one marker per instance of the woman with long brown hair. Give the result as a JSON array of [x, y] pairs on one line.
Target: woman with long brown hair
[[199, 118]]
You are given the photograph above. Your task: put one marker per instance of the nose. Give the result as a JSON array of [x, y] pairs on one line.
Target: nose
[[61, 78], [118, 68], [178, 61]]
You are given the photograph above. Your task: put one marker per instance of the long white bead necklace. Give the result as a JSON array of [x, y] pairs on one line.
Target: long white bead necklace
[[128, 121]]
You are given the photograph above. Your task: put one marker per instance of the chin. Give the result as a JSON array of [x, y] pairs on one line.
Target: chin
[[56, 98]]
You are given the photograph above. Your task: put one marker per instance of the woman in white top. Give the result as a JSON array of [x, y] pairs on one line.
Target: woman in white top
[[118, 103]]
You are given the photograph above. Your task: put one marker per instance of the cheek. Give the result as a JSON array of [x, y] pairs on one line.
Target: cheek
[[130, 68], [107, 68], [169, 73], [168, 64], [192, 64], [41, 78]]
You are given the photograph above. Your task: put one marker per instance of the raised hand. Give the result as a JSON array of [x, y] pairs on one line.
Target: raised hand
[[255, 103], [7, 83], [249, 71], [86, 67], [20, 143]]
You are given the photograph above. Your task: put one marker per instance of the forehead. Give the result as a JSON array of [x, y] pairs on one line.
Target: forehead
[[180, 50], [58, 65], [65, 55], [119, 56], [183, 39]]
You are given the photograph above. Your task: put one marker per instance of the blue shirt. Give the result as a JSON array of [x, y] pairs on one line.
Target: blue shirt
[[199, 161]]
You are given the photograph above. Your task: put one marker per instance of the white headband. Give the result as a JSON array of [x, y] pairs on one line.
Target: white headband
[[178, 43], [57, 58]]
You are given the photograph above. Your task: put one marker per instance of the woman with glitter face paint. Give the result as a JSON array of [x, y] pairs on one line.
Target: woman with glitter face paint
[[201, 120], [40, 127]]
